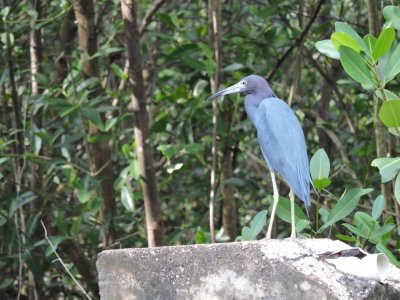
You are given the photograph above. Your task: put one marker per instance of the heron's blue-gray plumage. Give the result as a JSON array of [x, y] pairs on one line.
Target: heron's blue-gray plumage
[[283, 146]]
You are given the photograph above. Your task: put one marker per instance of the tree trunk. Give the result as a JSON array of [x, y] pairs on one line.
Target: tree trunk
[[154, 223], [99, 152]]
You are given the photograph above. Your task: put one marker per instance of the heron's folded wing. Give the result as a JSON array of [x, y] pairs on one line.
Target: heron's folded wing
[[283, 145]]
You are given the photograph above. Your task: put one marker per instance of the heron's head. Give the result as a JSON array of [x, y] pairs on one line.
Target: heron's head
[[252, 84]]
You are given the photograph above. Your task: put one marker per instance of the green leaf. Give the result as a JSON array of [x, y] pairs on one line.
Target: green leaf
[[22, 200], [258, 223], [193, 63], [326, 47], [320, 184], [346, 238], [94, 117], [302, 224], [397, 189], [381, 248], [369, 41], [379, 234], [383, 43], [118, 71], [355, 66], [55, 241], [378, 206], [106, 51], [83, 196], [6, 283], [390, 113], [389, 95], [357, 231], [127, 199], [386, 238], [393, 65], [319, 165], [324, 213], [346, 204], [246, 234], [233, 67], [394, 131], [206, 50], [199, 87], [365, 223], [200, 236], [392, 15], [388, 167], [110, 123], [194, 148], [342, 39], [167, 150], [283, 210], [346, 28], [235, 181]]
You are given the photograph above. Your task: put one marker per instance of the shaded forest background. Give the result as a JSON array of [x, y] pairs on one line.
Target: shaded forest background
[[107, 133]]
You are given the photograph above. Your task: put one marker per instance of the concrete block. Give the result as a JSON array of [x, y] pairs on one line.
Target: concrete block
[[266, 269]]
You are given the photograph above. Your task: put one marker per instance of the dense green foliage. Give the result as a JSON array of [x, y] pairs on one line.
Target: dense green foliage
[[49, 177]]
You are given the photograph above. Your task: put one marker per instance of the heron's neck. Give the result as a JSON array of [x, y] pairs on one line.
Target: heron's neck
[[252, 101]]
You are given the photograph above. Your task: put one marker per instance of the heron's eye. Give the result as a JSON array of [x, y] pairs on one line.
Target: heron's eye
[[244, 82]]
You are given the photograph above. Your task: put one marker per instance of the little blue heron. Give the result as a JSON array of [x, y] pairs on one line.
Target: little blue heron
[[281, 140]]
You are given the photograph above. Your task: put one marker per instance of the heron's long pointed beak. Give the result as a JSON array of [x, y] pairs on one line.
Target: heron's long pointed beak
[[236, 88]]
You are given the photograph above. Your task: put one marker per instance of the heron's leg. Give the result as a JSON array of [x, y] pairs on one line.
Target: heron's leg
[[291, 196], [276, 199]]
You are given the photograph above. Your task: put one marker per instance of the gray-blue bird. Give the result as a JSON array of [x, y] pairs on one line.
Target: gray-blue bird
[[281, 140]]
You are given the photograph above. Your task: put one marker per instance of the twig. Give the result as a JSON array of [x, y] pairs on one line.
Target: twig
[[147, 18], [62, 263], [298, 41]]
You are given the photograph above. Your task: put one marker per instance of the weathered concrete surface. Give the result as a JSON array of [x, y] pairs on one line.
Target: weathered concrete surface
[[267, 269]]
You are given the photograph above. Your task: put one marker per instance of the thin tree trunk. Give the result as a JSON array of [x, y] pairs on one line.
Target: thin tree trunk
[[214, 30], [99, 152], [154, 223], [35, 47], [374, 25]]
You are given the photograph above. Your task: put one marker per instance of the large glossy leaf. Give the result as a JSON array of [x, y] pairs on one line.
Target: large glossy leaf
[[246, 234], [346, 204], [390, 113], [397, 189], [346, 28], [378, 207], [319, 165], [365, 222], [388, 167], [326, 47], [283, 211], [370, 42], [342, 39], [393, 65], [127, 199], [383, 43], [392, 15], [258, 223], [355, 66]]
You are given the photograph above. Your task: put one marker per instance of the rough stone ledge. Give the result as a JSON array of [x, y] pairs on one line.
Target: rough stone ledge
[[266, 269]]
